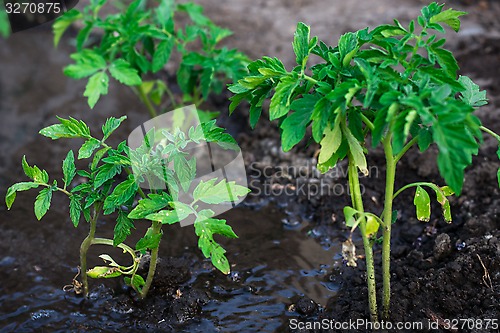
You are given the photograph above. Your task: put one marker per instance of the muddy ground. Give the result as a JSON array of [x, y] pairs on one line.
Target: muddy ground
[[287, 262]]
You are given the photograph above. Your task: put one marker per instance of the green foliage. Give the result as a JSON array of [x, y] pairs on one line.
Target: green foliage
[[103, 188], [396, 85], [137, 43], [390, 81], [4, 23]]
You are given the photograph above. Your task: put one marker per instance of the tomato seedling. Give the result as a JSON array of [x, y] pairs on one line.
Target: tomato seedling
[[394, 84], [108, 186], [133, 45]]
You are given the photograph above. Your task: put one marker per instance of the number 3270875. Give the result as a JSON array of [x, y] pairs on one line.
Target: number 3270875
[[33, 7]]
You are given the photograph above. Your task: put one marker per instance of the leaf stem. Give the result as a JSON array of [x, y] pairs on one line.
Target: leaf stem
[[490, 132], [367, 121], [406, 148]]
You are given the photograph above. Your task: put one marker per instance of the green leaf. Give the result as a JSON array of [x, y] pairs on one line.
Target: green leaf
[[11, 191], [294, 126], [42, 202], [150, 205], [301, 44], [103, 272], [151, 241], [123, 228], [69, 169], [137, 282], [121, 194], [185, 170], [88, 148], [124, 73], [281, 100], [111, 125], [63, 22], [424, 138], [449, 17], [347, 47], [472, 95], [162, 55], [105, 173], [223, 191], [356, 150], [68, 128], [422, 203], [97, 86], [330, 142], [168, 216], [372, 226], [75, 209], [446, 60], [349, 215]]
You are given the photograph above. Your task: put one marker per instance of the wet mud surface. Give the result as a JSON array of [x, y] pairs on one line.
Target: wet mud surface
[[287, 262]]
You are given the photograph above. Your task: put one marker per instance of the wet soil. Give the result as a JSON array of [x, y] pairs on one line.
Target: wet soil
[[287, 262]]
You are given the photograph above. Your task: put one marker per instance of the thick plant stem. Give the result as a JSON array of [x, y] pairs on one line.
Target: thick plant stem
[[387, 219], [84, 248], [152, 263], [357, 202]]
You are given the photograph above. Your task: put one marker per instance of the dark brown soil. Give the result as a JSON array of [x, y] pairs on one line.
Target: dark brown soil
[[440, 271]]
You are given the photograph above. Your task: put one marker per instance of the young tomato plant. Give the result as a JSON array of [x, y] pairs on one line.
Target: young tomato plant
[[394, 84], [135, 43], [109, 186]]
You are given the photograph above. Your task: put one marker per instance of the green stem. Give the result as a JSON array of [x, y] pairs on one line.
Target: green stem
[[490, 132], [370, 267], [84, 248], [391, 162], [152, 263], [367, 121], [145, 100], [431, 185], [406, 148]]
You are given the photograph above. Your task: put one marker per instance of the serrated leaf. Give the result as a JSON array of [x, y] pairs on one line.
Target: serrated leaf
[[68, 128], [301, 44], [150, 205], [185, 170], [356, 150], [11, 191], [224, 191], [330, 142], [281, 100], [88, 148], [123, 228], [105, 173], [162, 55], [111, 125], [69, 169], [294, 126], [123, 72], [472, 95], [149, 241], [42, 202], [75, 209], [422, 203], [121, 194], [449, 17], [97, 86]]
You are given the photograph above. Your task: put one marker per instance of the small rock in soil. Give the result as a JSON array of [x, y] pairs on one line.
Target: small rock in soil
[[306, 306], [442, 246]]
